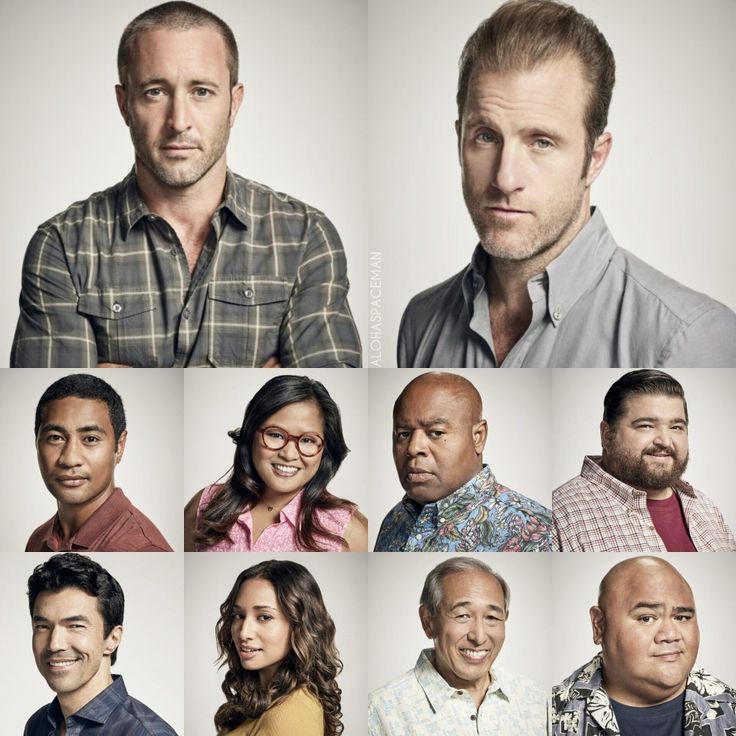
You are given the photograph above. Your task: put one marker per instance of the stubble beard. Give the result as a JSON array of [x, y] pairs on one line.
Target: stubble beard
[[179, 175], [541, 237], [633, 470]]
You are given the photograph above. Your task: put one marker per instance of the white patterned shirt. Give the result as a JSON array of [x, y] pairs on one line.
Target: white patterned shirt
[[421, 703]]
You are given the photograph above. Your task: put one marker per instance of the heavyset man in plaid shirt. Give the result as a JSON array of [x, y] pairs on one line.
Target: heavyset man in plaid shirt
[[633, 498], [184, 263]]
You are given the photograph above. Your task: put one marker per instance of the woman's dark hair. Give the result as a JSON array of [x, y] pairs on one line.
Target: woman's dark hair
[[71, 570], [313, 662], [244, 487]]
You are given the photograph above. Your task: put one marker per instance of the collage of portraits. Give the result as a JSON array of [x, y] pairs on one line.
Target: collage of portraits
[[448, 166]]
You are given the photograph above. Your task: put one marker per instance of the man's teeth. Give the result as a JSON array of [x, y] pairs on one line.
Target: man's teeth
[[61, 662], [475, 653]]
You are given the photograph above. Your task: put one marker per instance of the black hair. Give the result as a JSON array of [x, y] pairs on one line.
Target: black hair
[[71, 570], [643, 381]]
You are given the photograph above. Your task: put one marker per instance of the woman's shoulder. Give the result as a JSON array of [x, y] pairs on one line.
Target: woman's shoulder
[[207, 494], [299, 712]]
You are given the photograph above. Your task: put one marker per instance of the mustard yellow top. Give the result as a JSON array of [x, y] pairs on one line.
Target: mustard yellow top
[[298, 713]]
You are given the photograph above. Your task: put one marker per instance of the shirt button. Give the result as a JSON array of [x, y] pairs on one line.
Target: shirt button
[[557, 313], [117, 307], [419, 536], [442, 520], [248, 292], [186, 313], [473, 717], [151, 218]]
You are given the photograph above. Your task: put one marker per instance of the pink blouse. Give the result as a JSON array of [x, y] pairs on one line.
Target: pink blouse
[[279, 536]]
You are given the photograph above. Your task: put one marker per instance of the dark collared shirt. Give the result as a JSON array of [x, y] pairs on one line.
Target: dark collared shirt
[[108, 281], [581, 706], [117, 526], [112, 713], [595, 306], [480, 516]]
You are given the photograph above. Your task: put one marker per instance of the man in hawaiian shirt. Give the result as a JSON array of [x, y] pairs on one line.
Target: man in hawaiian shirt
[[642, 682], [453, 503]]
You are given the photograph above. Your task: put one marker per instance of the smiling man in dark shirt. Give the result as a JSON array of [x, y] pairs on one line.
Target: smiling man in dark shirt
[[80, 438], [184, 263], [77, 615]]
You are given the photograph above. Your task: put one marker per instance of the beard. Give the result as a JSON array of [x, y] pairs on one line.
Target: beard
[[633, 469], [509, 240], [181, 174]]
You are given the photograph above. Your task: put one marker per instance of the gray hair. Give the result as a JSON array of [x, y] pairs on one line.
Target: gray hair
[[179, 16], [431, 597]]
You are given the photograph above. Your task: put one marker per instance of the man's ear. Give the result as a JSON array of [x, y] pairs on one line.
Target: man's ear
[[427, 622], [236, 100], [598, 622], [599, 156], [480, 434], [120, 449], [112, 641], [122, 99], [606, 432]]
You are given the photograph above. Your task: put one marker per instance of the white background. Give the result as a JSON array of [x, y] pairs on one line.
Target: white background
[[516, 405], [666, 191], [150, 657], [575, 580], [396, 579], [577, 409], [215, 401], [150, 472], [341, 579], [302, 128]]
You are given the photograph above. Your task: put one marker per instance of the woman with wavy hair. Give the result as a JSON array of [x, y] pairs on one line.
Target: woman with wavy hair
[[289, 447], [278, 643]]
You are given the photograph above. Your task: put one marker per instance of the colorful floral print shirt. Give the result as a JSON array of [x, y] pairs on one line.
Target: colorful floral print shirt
[[580, 705], [481, 516]]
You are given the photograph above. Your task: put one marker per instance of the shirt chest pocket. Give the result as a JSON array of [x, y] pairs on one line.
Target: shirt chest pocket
[[124, 327], [244, 320]]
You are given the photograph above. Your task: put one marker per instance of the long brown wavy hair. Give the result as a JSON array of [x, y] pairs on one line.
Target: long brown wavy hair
[[313, 662], [243, 489]]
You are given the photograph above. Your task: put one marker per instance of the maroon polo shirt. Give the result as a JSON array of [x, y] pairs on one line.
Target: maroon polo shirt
[[117, 526]]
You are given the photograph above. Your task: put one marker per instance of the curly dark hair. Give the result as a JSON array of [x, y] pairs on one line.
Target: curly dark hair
[[243, 489], [313, 662]]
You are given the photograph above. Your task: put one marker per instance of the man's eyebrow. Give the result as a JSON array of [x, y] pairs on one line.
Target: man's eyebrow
[[67, 619], [423, 422], [464, 604], [91, 428], [165, 83], [678, 420], [646, 604], [52, 428]]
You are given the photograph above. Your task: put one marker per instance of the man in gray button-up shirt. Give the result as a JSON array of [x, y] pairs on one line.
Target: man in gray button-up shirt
[[547, 285]]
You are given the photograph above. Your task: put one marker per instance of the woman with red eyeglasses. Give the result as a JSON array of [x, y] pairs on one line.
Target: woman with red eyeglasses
[[289, 447]]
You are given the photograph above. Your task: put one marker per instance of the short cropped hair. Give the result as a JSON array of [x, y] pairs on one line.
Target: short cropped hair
[[71, 570], [522, 34], [636, 383], [431, 597], [178, 16], [84, 386]]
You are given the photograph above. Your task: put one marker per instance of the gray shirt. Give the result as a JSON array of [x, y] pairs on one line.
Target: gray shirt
[[595, 305]]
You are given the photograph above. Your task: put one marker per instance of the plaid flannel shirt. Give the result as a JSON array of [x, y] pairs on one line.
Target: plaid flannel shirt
[[108, 281], [595, 512]]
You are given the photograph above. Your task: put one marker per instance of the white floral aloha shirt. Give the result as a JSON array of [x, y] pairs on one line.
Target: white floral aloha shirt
[[580, 705]]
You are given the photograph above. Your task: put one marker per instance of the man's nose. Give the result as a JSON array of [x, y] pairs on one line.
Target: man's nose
[[417, 444], [179, 112], [508, 174]]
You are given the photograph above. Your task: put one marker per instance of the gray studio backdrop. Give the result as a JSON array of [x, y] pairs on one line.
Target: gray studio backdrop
[[516, 404], [575, 580], [395, 581], [150, 472], [214, 403], [150, 657], [209, 580], [666, 190], [301, 129], [577, 410]]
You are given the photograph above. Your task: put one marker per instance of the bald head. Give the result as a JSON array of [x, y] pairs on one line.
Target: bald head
[[439, 435], [439, 382], [632, 572], [646, 625]]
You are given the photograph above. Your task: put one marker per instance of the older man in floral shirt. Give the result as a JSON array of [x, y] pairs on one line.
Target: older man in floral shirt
[[642, 683]]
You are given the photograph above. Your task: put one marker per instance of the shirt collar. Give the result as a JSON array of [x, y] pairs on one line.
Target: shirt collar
[[565, 279], [131, 208], [629, 496], [439, 692], [97, 710], [289, 514], [468, 493], [88, 533]]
